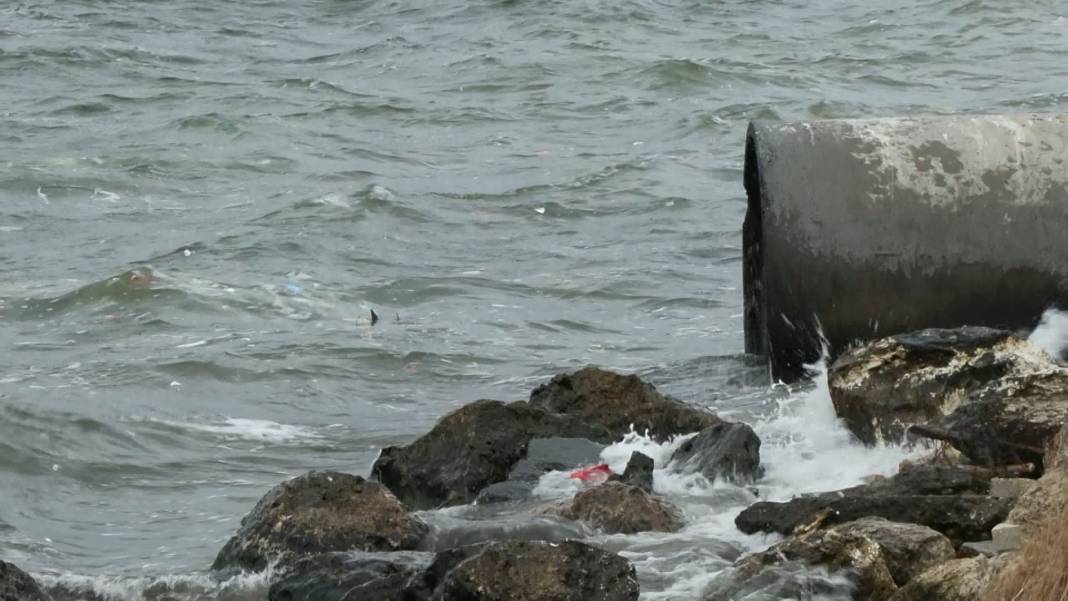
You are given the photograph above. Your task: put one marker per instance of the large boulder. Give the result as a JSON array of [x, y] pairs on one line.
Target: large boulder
[[954, 580], [727, 450], [947, 499], [344, 577], [882, 387], [874, 556], [467, 450], [536, 571], [618, 508], [1011, 420], [16, 585], [615, 403], [320, 512]]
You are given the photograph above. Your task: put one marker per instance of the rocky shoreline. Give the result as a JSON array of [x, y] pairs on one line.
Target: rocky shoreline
[[989, 407]]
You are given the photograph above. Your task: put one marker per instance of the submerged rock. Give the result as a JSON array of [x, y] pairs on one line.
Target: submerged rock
[[724, 450], [543, 455], [321, 512], [954, 580], [344, 577], [882, 387], [615, 403], [950, 500], [874, 555], [16, 585], [619, 508], [467, 450], [639, 472], [535, 571]]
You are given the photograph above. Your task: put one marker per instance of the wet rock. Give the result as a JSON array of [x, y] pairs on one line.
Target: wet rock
[[619, 508], [850, 555], [535, 571], [320, 512], [427, 586], [345, 577], [1011, 420], [468, 450], [614, 403], [16, 585], [873, 555], [951, 500], [727, 450], [908, 549], [543, 455], [639, 472], [882, 387], [954, 580]]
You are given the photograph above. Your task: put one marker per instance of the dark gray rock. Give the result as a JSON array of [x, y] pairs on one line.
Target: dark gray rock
[[534, 571], [321, 512], [727, 450], [619, 508], [427, 585], [16, 585], [961, 518], [639, 472], [345, 577], [468, 450], [614, 403]]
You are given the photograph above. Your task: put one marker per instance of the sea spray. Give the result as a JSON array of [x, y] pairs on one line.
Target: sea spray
[[1051, 333]]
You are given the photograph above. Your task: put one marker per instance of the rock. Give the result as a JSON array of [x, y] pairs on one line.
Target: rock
[[1056, 457], [948, 499], [882, 387], [639, 472], [908, 549], [1011, 420], [427, 586], [1010, 488], [320, 512], [344, 577], [543, 455], [619, 508], [725, 449], [16, 585], [875, 555], [954, 580], [615, 403], [961, 518], [1046, 497], [774, 573], [535, 571], [467, 450]]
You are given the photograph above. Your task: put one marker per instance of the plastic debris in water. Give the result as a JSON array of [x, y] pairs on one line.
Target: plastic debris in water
[[291, 288], [594, 474], [374, 317]]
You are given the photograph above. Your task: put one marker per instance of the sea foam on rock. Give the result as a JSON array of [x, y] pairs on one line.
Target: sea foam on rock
[[321, 511], [996, 397]]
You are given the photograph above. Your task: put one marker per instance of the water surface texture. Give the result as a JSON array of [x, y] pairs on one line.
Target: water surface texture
[[201, 202]]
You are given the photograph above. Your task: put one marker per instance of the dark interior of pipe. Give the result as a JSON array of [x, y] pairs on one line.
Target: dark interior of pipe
[[753, 257]]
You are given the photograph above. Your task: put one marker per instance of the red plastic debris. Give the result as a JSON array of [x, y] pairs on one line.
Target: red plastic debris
[[594, 473]]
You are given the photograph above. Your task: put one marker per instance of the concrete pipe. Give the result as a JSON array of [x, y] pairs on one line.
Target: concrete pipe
[[864, 228]]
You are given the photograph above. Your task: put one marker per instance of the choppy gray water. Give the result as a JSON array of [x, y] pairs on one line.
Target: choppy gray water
[[517, 188]]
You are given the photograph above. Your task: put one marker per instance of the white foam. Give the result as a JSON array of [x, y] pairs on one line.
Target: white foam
[[1051, 334], [246, 586], [805, 447], [261, 430]]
